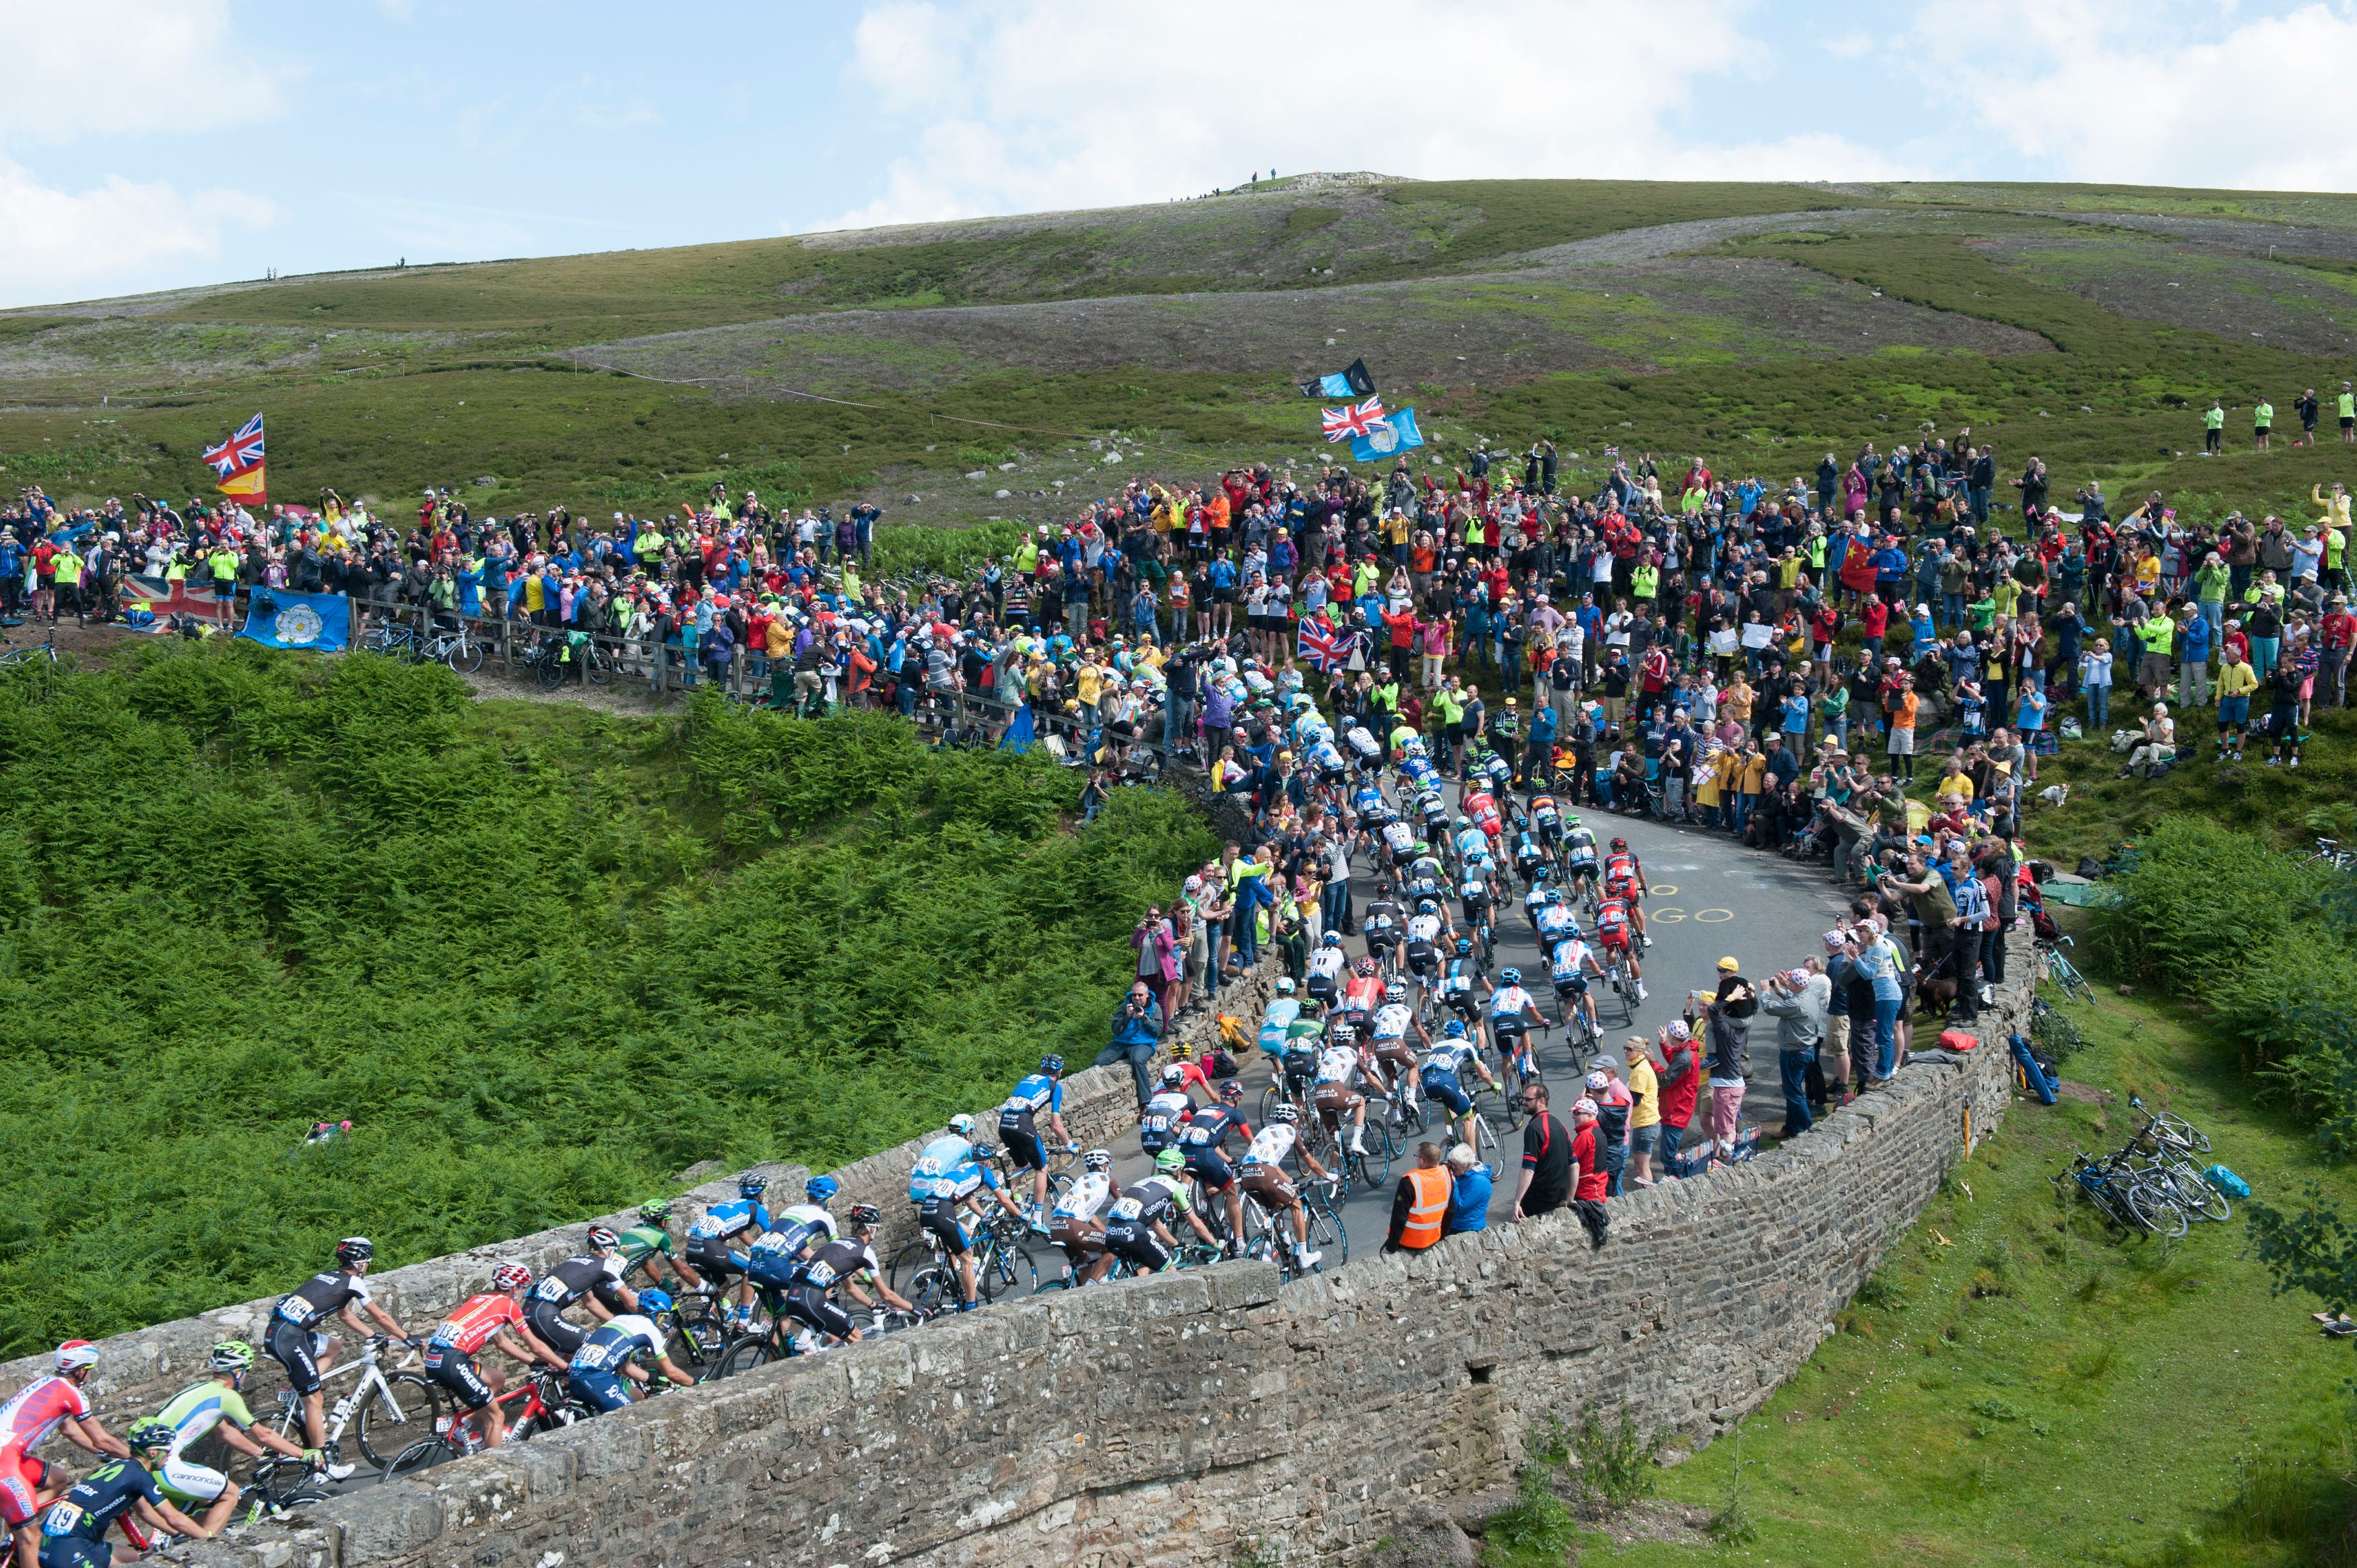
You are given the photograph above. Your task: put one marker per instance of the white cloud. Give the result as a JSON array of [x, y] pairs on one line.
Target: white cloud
[[2177, 96], [1027, 105], [129, 65], [65, 245]]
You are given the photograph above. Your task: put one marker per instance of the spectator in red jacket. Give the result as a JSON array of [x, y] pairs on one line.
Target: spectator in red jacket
[[1593, 1183], [1680, 1071]]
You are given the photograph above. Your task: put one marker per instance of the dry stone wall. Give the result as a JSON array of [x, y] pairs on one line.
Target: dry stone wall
[[1161, 1421]]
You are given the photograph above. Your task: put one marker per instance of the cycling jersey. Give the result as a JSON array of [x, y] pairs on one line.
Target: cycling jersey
[[1086, 1196], [1363, 744], [1034, 1094], [1381, 922], [1447, 1059], [99, 1499], [1147, 1202], [477, 1319], [1621, 871], [322, 1296], [1158, 1128], [1276, 1024], [1483, 809], [946, 1171], [1508, 1002], [1475, 888], [1337, 1064], [1471, 842], [840, 1260], [1272, 1144], [576, 1277], [1391, 1022], [776, 1255], [38, 1410], [1554, 923], [198, 1408], [1210, 1128], [1363, 994], [1580, 845], [641, 1243], [616, 1341], [1566, 963], [734, 1218], [1612, 923], [1398, 838], [1425, 869], [1528, 851], [1327, 964], [1459, 981], [1423, 930], [1543, 811]]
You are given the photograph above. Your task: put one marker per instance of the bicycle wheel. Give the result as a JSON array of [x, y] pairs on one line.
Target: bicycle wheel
[[2153, 1201], [1373, 1162], [745, 1355], [465, 657], [550, 674], [1326, 1235], [1005, 1272], [1270, 1099], [932, 1288], [598, 667], [907, 1263], [386, 1427], [422, 1456], [2178, 1130], [698, 1338], [2200, 1200]]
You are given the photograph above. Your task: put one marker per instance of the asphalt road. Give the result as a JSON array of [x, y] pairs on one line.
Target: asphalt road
[[1712, 898]]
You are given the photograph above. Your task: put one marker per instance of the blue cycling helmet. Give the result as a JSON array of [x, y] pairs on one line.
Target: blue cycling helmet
[[820, 1189], [1512, 976], [1538, 874], [1456, 1029], [1051, 1064], [1464, 946], [751, 1186], [655, 1301]]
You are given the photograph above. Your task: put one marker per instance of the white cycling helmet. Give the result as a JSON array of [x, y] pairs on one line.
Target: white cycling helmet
[[77, 1355], [1285, 986]]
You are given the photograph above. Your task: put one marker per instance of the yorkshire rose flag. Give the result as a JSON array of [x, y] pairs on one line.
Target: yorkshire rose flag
[[238, 464]]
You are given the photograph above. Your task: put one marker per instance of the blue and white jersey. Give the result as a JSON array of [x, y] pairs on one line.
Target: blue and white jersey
[[1324, 758], [615, 1341], [1569, 958], [1509, 1002], [946, 1170], [722, 1220], [1276, 1022], [1446, 1059], [1555, 923], [1471, 842], [798, 1229], [1038, 1093]]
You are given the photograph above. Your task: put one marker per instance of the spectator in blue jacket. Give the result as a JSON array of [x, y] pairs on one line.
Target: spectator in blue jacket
[[1137, 1034], [1468, 1196]]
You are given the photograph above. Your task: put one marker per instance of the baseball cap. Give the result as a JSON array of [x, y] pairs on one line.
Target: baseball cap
[[1729, 966], [1837, 938]]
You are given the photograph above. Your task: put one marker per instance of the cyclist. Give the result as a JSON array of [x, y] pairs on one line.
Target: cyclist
[[1395, 1058], [1482, 807], [1476, 892], [1625, 879], [1467, 842], [594, 1274], [1276, 1024], [776, 1259], [1382, 923], [648, 1245], [844, 1263], [1570, 961], [1551, 917], [1364, 993], [1263, 1175], [952, 1174], [72, 1528], [615, 1349], [1075, 1227], [708, 1238], [1422, 946], [1203, 1143], [1546, 824], [1443, 1074], [1135, 1226], [1018, 1131], [494, 1318], [1336, 1094], [1299, 1064], [1530, 858], [1458, 984], [1166, 1113], [1326, 966], [1398, 840], [296, 1344], [1612, 936], [215, 1405], [1580, 866], [1512, 1012], [41, 1407]]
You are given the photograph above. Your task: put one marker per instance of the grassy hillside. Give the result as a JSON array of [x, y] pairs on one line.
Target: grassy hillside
[[544, 958]]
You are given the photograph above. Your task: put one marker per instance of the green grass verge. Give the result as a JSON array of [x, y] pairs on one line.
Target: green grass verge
[[2014, 1385]]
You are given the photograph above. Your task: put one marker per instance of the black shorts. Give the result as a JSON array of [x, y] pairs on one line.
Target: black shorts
[[812, 1307], [296, 1349], [1134, 1242], [1507, 1029], [1211, 1168], [1421, 957], [939, 1216], [2347, 422], [1382, 939], [1463, 1003], [547, 1320], [455, 1369], [1023, 1150], [710, 1256], [1222, 595], [1321, 987]]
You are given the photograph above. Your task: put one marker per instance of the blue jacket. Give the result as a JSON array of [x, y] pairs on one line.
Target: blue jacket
[[1468, 1202]]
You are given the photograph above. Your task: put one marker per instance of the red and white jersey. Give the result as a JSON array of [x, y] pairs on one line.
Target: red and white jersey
[[39, 1410], [475, 1322]]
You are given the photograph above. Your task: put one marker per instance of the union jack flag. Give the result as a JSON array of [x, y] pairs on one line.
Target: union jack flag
[[1325, 645], [1356, 421], [240, 452]]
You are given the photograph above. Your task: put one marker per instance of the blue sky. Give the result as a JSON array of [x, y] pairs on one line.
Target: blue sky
[[159, 143]]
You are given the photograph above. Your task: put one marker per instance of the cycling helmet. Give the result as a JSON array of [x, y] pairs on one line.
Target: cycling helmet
[[1462, 823], [1571, 819], [1511, 975], [1332, 939], [1538, 874], [1098, 1159], [961, 1124], [655, 1210], [864, 1215], [602, 1239], [751, 1186], [1285, 986], [1173, 1076], [148, 1436], [510, 1276], [655, 1301], [818, 1190], [1232, 1091], [1288, 1115], [1426, 906], [1169, 1160], [1456, 1029], [1051, 1064], [1464, 946], [1620, 843], [355, 1250], [77, 1356], [1366, 966], [231, 1356], [985, 1152]]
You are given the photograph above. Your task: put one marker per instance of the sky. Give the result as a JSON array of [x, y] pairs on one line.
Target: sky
[[157, 144]]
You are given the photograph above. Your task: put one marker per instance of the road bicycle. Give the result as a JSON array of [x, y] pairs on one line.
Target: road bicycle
[[1268, 1235], [459, 650], [396, 639], [539, 1403], [1520, 1067], [924, 1272], [280, 1484], [2327, 851], [1617, 979], [2063, 972], [42, 652], [385, 1413]]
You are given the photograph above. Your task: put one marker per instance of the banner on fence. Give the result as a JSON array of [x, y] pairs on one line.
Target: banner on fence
[[277, 618], [160, 597]]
